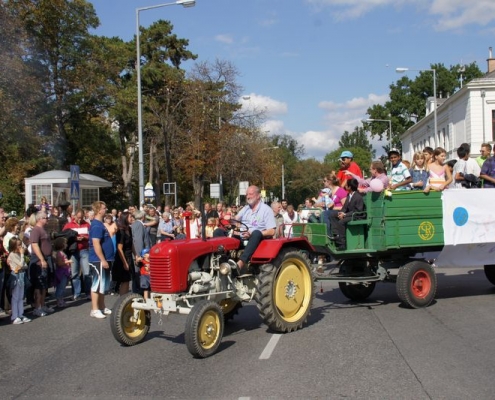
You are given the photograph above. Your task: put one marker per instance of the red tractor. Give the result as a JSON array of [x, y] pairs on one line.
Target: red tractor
[[199, 278]]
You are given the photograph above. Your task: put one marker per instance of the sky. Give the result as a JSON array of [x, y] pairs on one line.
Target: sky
[[315, 66]]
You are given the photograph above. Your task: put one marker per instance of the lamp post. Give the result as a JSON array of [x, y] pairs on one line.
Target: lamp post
[[401, 70], [184, 3], [389, 128]]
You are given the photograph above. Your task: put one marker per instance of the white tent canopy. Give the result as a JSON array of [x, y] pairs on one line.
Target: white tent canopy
[[56, 187]]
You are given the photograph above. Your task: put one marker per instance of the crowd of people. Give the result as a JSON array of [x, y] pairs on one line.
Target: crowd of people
[[102, 252]]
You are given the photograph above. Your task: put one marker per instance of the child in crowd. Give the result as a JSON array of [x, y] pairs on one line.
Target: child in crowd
[[180, 233], [399, 175], [439, 175], [419, 171], [145, 272], [450, 165], [62, 272], [428, 153], [210, 227], [18, 268]]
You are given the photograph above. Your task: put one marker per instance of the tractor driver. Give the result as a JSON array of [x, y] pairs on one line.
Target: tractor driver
[[259, 219]]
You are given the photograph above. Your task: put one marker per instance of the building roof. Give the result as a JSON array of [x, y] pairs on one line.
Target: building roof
[[63, 177]]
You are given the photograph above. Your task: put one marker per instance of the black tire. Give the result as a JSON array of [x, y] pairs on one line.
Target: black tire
[[490, 273], [126, 328], [285, 291], [230, 308], [416, 284], [357, 292], [204, 329]]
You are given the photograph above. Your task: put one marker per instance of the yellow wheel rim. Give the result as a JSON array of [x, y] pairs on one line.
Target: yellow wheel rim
[[292, 289], [208, 330], [133, 327]]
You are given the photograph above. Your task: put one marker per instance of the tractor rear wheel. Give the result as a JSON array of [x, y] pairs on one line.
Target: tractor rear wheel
[[204, 329], [129, 326], [358, 291], [416, 284], [285, 291], [490, 273]]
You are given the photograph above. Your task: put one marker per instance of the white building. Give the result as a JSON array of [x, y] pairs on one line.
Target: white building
[[468, 116]]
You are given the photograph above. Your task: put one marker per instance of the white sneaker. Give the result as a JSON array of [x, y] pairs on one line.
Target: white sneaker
[[39, 312], [25, 319], [47, 309], [97, 314], [106, 311], [17, 321]]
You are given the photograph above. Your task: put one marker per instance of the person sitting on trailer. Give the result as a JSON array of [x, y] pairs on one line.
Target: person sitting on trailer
[[353, 205]]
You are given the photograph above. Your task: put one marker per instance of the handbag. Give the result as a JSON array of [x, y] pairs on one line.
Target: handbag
[[12, 281]]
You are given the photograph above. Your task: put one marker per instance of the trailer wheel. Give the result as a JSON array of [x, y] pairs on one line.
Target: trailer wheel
[[204, 329], [285, 291], [490, 273], [129, 326], [230, 308], [416, 284], [357, 292]]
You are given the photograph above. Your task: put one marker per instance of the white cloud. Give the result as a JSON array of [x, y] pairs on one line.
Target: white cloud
[[269, 106], [450, 14], [338, 118], [455, 14], [224, 38]]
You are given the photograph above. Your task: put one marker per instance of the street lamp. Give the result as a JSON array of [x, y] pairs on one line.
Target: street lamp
[[184, 3], [389, 128], [402, 70]]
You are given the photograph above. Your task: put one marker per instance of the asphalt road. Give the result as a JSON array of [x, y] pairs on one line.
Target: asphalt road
[[372, 350]]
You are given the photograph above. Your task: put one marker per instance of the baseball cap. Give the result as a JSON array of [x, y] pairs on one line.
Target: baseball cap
[[346, 154], [393, 150], [144, 251]]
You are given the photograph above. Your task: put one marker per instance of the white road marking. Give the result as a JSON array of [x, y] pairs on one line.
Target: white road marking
[[267, 352]]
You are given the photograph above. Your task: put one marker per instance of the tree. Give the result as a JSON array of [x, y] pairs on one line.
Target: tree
[[408, 97]]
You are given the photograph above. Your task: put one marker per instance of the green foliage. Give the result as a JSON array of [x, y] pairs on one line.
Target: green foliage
[[408, 97]]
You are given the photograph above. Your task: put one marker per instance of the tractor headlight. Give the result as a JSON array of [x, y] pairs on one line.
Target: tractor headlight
[[225, 268]]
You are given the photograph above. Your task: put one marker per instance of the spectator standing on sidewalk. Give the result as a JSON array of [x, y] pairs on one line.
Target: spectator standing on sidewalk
[[40, 264], [80, 255], [101, 255]]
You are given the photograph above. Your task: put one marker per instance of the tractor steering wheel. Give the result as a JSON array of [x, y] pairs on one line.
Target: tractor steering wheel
[[234, 224]]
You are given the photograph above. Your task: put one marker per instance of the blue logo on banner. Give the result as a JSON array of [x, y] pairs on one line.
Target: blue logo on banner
[[461, 216]]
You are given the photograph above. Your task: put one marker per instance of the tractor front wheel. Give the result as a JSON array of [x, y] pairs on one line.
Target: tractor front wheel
[[285, 291], [129, 326], [416, 284], [204, 329]]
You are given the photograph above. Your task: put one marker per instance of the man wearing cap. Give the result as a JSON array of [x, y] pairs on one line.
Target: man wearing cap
[[399, 174], [347, 164]]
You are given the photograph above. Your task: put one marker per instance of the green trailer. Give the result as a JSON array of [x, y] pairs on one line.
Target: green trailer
[[390, 235]]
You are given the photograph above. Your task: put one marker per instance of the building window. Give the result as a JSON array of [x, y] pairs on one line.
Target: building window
[[88, 197], [38, 191]]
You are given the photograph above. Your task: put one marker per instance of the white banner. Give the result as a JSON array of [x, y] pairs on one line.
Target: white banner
[[469, 228]]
